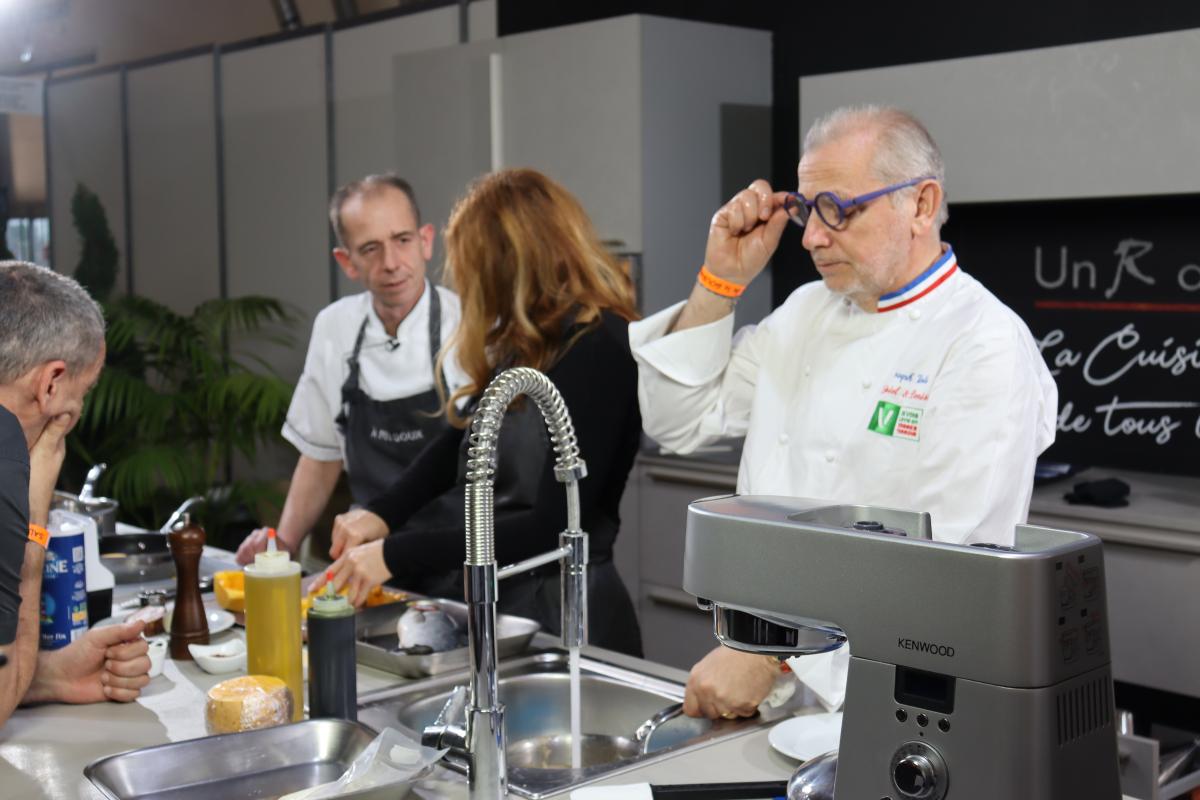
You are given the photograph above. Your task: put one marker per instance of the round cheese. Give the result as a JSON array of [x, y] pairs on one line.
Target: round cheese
[[247, 703]]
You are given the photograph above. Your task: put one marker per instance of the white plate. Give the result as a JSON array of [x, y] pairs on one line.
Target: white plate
[[218, 619], [807, 736]]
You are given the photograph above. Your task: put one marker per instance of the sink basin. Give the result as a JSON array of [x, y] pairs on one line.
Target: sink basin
[[535, 691]]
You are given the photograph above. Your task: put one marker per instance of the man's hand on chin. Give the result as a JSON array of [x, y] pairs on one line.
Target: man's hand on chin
[[45, 461], [109, 663]]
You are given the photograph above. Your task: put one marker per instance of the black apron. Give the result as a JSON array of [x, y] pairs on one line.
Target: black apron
[[522, 451], [384, 436]]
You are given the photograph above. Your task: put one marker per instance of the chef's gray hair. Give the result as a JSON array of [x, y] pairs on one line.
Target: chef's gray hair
[[45, 316], [905, 149], [367, 185]]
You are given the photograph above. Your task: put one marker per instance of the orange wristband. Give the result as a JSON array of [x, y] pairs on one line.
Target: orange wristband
[[720, 285], [39, 535]]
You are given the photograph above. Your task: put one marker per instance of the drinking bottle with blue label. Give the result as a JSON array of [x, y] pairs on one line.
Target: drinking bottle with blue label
[[64, 585]]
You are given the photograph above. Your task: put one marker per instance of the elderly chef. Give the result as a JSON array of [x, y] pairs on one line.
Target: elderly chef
[[896, 380], [366, 398]]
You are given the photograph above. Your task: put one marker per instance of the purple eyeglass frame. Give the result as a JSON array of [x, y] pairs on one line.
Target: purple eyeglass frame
[[795, 200]]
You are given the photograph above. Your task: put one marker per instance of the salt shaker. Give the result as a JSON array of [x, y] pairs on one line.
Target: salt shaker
[[189, 620]]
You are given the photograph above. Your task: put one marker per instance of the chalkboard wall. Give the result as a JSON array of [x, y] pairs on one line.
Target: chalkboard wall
[[1110, 289]]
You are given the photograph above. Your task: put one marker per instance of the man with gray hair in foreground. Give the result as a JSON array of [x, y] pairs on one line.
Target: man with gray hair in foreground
[[51, 354], [896, 380]]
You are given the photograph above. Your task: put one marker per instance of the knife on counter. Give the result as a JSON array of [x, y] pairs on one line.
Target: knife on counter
[[751, 790]]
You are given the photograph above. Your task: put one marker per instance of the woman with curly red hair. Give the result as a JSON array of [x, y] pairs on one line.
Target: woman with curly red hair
[[537, 290]]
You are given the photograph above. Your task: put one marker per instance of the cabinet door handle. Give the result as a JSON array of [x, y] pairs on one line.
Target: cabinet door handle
[[673, 598], [686, 477]]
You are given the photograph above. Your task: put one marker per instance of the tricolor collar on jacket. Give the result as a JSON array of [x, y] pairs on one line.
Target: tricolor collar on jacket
[[922, 285]]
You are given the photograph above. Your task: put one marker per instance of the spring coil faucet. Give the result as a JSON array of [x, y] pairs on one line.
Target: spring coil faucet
[[483, 737]]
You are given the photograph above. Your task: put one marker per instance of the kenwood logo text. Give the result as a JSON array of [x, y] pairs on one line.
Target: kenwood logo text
[[926, 647]]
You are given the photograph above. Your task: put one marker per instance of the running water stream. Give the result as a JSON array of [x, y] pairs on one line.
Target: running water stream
[[576, 734]]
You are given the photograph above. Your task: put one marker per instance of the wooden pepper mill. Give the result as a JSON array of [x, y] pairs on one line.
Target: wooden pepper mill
[[189, 620]]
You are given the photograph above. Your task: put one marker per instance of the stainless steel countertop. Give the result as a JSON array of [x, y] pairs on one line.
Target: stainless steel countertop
[[43, 750]]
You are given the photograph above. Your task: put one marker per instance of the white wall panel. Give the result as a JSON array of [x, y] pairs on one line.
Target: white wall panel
[[684, 91], [1117, 117], [571, 109], [443, 151], [84, 119], [482, 20], [273, 105], [173, 182], [374, 115]]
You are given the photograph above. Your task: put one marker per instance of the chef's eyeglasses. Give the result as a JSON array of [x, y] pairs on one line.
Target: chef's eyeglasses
[[832, 209]]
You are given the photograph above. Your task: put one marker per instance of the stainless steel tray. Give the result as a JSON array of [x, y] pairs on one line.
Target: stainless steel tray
[[265, 764], [377, 641]]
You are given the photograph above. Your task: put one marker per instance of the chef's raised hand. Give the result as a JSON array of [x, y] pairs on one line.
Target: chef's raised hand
[[745, 233], [360, 569], [355, 527]]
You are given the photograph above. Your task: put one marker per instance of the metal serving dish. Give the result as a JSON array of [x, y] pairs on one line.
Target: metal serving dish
[[264, 764], [377, 640]]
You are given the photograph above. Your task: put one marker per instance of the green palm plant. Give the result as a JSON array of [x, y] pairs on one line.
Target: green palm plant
[[174, 405], [179, 398]]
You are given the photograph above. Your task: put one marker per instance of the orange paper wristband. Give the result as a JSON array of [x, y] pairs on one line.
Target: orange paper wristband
[[720, 285], [39, 535]]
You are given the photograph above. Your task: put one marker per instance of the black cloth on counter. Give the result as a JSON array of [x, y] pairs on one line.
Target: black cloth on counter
[[597, 378], [14, 520], [1107, 493]]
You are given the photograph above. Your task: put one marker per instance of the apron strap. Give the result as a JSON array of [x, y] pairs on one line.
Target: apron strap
[[351, 383], [435, 334]]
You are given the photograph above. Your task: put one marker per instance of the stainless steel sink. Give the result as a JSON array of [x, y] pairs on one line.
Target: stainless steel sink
[[536, 693]]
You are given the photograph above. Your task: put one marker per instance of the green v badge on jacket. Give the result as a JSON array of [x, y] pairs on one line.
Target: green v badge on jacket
[[899, 414]]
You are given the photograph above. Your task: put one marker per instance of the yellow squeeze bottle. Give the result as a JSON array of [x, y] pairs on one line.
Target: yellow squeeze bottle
[[273, 621]]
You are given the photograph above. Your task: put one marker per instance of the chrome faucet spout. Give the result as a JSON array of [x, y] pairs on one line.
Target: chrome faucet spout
[[487, 770]]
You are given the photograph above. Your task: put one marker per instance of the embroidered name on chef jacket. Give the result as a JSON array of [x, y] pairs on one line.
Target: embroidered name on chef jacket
[[899, 413], [381, 435]]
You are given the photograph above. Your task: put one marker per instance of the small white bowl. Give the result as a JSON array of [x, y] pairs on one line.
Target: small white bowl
[[218, 659], [158, 655]]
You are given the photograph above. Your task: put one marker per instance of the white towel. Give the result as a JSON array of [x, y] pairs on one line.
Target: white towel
[[180, 708], [825, 674]]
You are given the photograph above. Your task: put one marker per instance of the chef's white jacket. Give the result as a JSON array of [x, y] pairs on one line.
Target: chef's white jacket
[[939, 403], [389, 366]]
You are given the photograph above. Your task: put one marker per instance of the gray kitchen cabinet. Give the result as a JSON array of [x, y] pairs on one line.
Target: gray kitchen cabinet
[[674, 631]]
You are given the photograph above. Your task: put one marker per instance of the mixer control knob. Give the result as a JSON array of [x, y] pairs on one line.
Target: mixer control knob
[[918, 772], [914, 776]]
